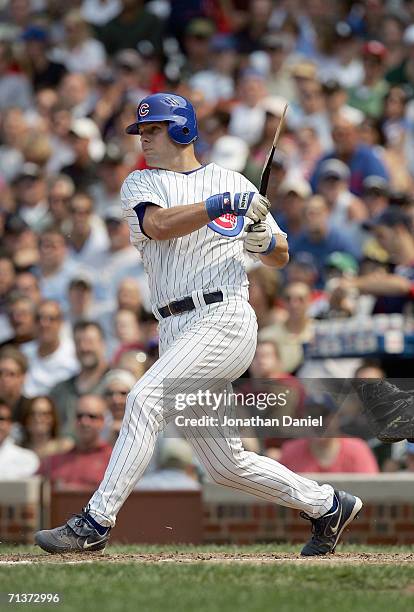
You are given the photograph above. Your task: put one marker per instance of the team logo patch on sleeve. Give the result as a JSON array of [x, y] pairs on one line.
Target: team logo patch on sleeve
[[227, 225]]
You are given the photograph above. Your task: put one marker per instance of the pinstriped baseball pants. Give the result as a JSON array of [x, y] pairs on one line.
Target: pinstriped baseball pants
[[215, 344]]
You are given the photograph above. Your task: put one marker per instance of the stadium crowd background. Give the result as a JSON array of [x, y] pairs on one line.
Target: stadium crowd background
[[76, 329]]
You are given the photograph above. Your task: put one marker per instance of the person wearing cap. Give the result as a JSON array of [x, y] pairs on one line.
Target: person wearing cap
[[293, 195], [39, 67], [375, 195], [88, 149], [346, 209], [339, 265], [361, 159], [318, 237], [247, 116], [31, 195], [197, 36], [337, 302], [369, 96], [394, 290], [133, 24], [87, 235], [217, 81]]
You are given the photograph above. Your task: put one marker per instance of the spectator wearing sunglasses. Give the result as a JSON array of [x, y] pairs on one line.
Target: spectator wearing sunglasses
[[117, 384], [83, 467]]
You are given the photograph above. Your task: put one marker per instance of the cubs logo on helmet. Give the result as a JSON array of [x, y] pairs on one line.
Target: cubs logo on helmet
[[144, 109], [227, 225]]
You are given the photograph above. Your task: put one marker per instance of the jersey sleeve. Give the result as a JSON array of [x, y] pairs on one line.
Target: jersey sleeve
[[138, 190]]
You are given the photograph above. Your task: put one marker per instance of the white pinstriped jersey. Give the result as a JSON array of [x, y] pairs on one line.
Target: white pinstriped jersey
[[209, 258]]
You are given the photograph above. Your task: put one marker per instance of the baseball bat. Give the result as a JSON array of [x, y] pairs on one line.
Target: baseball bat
[[264, 179]]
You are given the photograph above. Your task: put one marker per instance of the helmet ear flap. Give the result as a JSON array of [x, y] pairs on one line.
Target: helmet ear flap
[[181, 134]]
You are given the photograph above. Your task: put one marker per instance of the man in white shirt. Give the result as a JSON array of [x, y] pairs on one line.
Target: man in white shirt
[[52, 358], [15, 462], [88, 236]]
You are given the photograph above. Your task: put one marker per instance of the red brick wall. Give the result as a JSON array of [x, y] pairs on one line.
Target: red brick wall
[[378, 523], [18, 522]]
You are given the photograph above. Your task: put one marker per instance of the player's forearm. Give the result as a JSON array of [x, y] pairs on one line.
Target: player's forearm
[[166, 223], [279, 257]]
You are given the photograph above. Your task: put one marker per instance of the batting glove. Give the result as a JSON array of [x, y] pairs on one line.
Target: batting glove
[[245, 204], [260, 239]]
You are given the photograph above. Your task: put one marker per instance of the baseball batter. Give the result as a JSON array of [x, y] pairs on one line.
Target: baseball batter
[[189, 222]]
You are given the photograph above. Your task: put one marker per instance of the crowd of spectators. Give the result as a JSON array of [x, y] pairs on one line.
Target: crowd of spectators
[[76, 327]]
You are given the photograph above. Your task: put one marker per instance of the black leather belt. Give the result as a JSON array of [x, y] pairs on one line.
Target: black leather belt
[[187, 304]]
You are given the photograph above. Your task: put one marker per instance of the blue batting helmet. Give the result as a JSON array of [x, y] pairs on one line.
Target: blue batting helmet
[[176, 110]]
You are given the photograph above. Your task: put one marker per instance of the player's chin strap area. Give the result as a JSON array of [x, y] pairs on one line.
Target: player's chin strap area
[[198, 299]]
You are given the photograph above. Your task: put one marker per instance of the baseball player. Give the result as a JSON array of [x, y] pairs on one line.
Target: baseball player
[[189, 222]]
